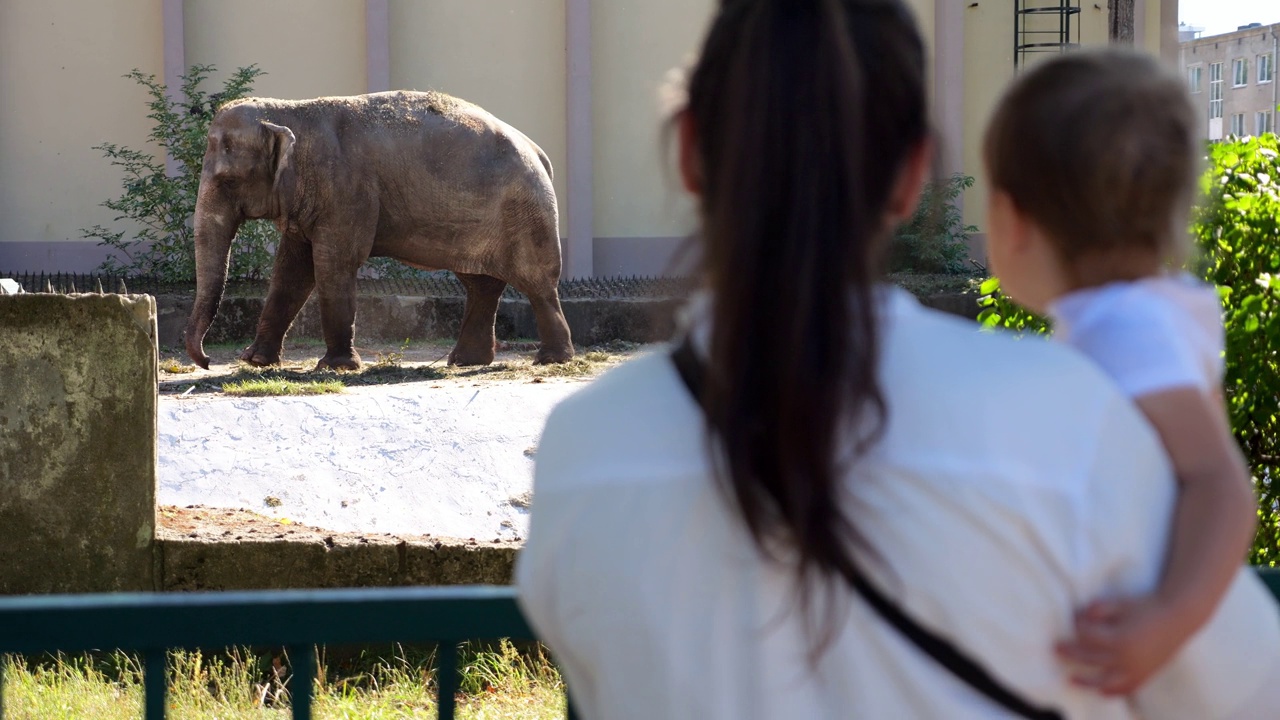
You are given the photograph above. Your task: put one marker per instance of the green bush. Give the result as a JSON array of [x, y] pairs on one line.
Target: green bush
[[998, 311], [1237, 233], [1237, 230], [933, 239], [163, 205]]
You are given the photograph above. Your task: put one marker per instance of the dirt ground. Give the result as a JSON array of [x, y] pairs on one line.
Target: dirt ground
[[385, 363], [207, 524]]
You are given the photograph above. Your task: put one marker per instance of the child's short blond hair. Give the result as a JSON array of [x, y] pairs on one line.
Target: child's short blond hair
[[1101, 148]]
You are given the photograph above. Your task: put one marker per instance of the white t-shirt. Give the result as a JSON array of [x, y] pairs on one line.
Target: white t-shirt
[[1012, 485], [1148, 335]]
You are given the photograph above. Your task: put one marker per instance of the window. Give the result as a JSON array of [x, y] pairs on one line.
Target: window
[[1237, 124], [1262, 123], [1193, 77], [1266, 68], [1215, 90], [1239, 72]]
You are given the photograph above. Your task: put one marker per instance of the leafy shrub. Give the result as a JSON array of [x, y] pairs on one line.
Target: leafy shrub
[[933, 239], [164, 205], [998, 310], [387, 268], [1237, 230], [1237, 233]]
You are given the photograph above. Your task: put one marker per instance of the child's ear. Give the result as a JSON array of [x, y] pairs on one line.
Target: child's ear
[[690, 164], [1014, 226], [910, 182]]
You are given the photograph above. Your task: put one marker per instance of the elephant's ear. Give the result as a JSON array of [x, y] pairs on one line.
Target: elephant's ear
[[283, 146]]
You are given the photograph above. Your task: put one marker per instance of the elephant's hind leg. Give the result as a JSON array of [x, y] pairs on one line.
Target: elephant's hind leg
[[555, 345], [476, 341]]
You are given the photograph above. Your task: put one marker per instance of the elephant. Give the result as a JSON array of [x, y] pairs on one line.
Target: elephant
[[422, 177]]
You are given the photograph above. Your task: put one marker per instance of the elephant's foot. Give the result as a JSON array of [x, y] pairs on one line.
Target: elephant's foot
[[553, 356], [473, 354], [339, 361], [255, 355]]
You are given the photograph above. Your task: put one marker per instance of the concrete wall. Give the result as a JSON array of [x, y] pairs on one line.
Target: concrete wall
[[77, 443], [61, 92], [635, 45], [308, 48]]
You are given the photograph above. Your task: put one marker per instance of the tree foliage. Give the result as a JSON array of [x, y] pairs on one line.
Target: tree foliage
[[1237, 230], [934, 239], [158, 207]]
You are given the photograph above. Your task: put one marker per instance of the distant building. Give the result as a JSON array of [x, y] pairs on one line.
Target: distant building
[[1232, 78]]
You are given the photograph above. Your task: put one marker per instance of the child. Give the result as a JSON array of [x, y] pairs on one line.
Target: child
[[1093, 160]]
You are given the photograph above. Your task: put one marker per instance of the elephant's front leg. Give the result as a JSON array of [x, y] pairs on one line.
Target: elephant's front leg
[[292, 281], [337, 260], [338, 318]]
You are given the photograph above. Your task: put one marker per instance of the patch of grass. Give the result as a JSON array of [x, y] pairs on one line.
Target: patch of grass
[[263, 387], [498, 682], [174, 366], [296, 377]]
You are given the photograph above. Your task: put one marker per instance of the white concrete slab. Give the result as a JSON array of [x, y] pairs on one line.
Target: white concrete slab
[[407, 458]]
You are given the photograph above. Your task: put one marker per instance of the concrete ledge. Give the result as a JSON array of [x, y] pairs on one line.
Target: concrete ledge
[[281, 563]]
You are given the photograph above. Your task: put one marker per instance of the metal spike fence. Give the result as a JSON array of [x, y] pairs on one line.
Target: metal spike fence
[[442, 285]]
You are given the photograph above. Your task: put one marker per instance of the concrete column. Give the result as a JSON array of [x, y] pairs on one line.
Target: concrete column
[[77, 443], [948, 83], [377, 38], [1170, 48], [1140, 26], [579, 259], [175, 60]]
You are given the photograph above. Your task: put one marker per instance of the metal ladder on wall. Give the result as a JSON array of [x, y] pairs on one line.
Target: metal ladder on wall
[[1044, 26]]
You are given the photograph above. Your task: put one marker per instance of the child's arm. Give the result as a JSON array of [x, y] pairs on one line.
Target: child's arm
[[1119, 644]]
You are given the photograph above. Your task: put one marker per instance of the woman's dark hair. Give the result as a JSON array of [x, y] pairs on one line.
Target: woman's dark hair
[[804, 112]]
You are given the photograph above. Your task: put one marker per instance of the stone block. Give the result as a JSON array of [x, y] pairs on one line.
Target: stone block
[[278, 564], [77, 443]]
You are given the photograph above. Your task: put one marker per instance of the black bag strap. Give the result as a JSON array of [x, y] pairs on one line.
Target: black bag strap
[[692, 372]]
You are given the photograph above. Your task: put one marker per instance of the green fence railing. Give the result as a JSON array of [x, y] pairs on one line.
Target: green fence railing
[[153, 623], [298, 620]]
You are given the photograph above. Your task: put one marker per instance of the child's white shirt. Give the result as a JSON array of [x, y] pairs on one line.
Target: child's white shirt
[[1148, 335], [1152, 335]]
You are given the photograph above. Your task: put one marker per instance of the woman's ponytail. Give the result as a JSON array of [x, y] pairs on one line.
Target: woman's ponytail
[[803, 111]]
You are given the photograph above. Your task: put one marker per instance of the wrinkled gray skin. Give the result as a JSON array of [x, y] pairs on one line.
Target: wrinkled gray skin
[[424, 178]]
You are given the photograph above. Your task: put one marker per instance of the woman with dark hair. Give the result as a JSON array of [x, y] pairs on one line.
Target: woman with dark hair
[[827, 501]]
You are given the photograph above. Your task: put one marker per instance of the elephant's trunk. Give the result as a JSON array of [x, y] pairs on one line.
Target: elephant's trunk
[[214, 232]]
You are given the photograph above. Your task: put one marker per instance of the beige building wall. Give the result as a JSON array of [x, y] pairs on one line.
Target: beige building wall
[[635, 45], [308, 48], [61, 92], [508, 57]]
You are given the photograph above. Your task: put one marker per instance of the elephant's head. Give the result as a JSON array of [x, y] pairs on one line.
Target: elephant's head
[[244, 162]]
